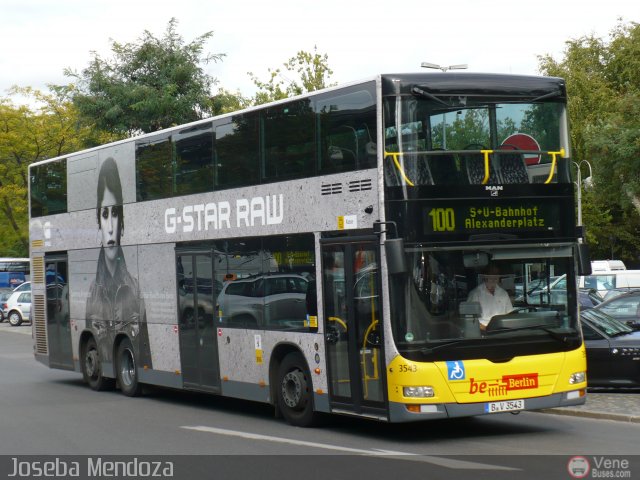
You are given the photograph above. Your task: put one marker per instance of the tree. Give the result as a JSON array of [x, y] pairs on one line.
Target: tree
[[147, 85], [306, 72], [226, 101], [603, 86], [27, 135]]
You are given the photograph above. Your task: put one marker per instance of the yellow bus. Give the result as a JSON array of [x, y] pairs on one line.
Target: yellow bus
[[364, 250]]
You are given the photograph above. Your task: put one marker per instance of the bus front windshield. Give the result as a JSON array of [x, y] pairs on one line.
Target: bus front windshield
[[488, 303], [442, 141]]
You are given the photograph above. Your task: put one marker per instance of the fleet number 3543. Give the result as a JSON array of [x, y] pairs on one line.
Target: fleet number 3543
[[443, 219]]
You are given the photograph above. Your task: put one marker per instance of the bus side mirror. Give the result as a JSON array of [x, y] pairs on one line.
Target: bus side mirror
[[394, 248], [584, 259]]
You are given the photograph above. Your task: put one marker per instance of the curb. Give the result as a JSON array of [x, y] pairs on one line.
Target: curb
[[618, 417]]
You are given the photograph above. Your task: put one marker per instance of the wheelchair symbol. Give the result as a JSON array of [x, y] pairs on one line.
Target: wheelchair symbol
[[456, 370]]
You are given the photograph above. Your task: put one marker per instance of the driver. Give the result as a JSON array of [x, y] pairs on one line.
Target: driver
[[493, 299]]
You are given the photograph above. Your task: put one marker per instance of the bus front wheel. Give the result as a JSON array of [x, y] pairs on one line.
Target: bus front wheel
[[92, 367], [294, 391], [127, 370]]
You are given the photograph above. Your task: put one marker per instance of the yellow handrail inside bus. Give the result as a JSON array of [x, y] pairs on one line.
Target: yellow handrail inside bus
[[487, 170], [374, 360], [340, 321], [395, 156], [554, 156]]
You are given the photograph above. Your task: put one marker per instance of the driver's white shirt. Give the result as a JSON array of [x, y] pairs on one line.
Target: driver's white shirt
[[497, 303]]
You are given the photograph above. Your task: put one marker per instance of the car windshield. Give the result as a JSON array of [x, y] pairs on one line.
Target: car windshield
[[440, 303], [606, 323], [622, 306]]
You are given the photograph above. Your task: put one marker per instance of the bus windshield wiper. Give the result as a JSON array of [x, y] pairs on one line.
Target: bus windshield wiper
[[554, 335], [423, 93], [552, 94], [428, 350]]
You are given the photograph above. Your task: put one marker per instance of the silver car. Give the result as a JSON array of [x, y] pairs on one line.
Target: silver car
[[17, 307], [265, 301]]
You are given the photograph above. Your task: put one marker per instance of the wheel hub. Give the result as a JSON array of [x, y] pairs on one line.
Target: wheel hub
[[91, 362], [128, 368], [292, 386]]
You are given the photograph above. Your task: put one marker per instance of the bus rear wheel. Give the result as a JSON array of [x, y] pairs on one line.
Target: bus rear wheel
[[92, 367], [294, 391], [127, 369]]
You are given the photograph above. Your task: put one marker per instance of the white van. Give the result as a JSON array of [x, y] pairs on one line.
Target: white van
[[603, 281], [607, 265]]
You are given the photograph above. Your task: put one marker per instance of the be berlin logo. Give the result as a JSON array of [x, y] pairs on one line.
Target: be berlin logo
[[92, 467]]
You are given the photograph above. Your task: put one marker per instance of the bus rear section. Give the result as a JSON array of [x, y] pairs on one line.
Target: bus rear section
[[478, 187]]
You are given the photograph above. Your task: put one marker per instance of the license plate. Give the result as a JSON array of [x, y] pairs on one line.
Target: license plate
[[506, 406]]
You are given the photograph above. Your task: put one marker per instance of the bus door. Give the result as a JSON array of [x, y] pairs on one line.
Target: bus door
[[352, 327], [57, 301], [197, 294]]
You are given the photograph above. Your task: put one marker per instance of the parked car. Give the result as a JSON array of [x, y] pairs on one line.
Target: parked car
[[624, 307], [23, 287], [588, 298], [602, 282], [271, 301], [5, 293], [17, 307], [613, 349]]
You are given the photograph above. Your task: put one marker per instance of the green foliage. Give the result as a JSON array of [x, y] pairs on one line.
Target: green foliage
[[147, 85], [27, 135], [226, 102], [603, 85], [306, 72]]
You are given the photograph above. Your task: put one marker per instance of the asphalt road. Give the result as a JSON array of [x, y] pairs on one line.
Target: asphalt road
[[51, 412]]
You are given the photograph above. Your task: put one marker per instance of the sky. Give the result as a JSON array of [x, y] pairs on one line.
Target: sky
[[362, 38]]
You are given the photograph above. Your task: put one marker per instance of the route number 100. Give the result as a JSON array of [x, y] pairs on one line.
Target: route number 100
[[443, 219]]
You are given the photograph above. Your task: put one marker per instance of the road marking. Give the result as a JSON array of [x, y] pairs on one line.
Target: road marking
[[440, 461], [269, 438]]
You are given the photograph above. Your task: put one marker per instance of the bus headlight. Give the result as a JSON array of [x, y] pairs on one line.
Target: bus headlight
[[578, 377], [418, 392]]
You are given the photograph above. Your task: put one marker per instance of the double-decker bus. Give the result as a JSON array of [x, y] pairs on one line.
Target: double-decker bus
[[321, 253], [13, 272]]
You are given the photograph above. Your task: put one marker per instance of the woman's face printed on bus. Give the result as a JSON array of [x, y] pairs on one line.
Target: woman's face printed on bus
[[110, 224]]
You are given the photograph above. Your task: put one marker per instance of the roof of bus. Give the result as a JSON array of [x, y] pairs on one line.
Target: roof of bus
[[444, 83], [437, 83]]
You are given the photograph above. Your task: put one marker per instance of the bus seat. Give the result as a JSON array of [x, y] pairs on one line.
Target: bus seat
[[419, 171], [474, 166], [513, 168]]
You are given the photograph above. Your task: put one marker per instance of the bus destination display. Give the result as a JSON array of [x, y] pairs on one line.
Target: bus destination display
[[481, 218]]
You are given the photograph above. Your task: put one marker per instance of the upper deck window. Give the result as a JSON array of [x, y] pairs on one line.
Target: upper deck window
[[347, 127], [154, 168], [289, 132], [325, 133], [193, 160], [473, 140], [49, 188], [237, 152]]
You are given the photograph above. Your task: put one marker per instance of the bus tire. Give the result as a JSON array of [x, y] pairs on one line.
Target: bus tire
[[127, 369], [294, 391], [15, 319], [92, 367]]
